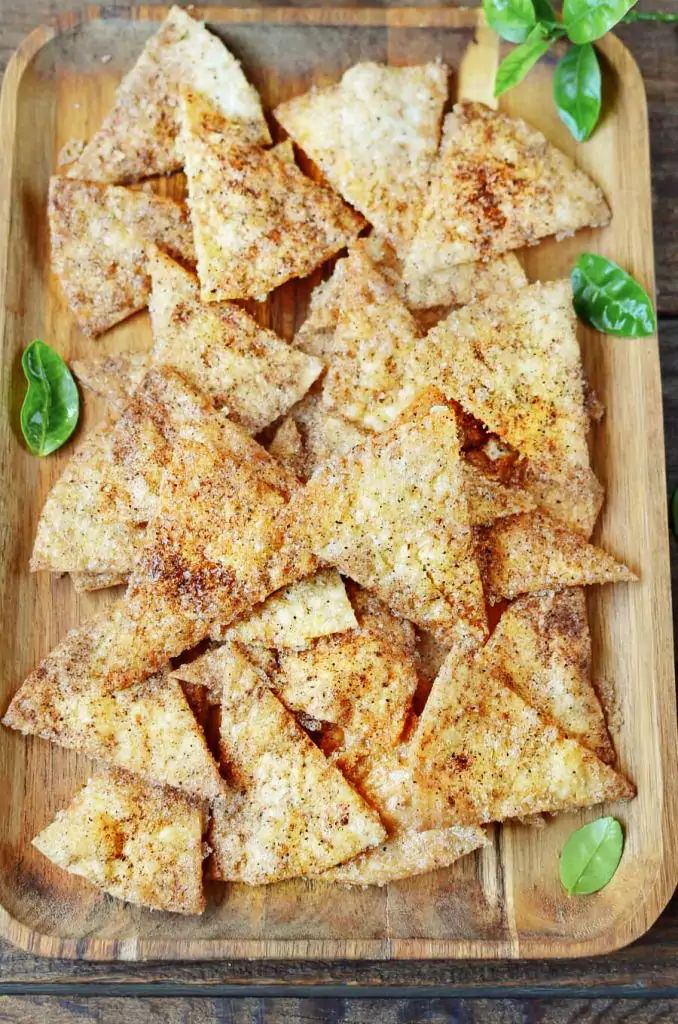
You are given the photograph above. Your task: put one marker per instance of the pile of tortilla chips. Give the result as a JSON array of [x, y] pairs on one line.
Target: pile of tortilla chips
[[354, 629]]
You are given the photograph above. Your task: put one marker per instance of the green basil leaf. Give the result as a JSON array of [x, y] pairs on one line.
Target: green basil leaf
[[510, 19], [609, 299], [674, 511], [577, 90], [545, 13], [591, 856], [51, 407], [518, 62], [586, 20]]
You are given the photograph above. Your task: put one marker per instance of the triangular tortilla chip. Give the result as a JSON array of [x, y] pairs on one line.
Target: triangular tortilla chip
[[482, 754], [86, 581], [392, 514], [94, 517], [542, 648], [530, 552], [489, 499], [257, 220], [138, 137], [99, 236], [287, 446], [147, 729], [222, 540], [290, 812], [374, 135], [114, 378], [137, 842], [314, 607], [407, 854], [323, 433], [573, 496], [223, 351], [497, 184]]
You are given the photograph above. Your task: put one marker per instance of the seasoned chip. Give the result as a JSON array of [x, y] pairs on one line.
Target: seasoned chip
[[489, 499], [498, 184], [257, 220], [289, 812], [100, 235], [323, 433], [223, 351], [374, 135], [85, 581], [138, 137], [392, 515], [314, 607], [316, 334], [482, 754], [407, 854], [287, 446], [147, 729], [137, 842], [530, 552], [571, 494], [542, 650], [113, 377]]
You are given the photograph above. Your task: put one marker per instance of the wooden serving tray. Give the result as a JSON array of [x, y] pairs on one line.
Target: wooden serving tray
[[506, 901]]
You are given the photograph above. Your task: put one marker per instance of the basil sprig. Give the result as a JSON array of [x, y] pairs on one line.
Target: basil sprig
[[51, 408], [535, 25], [609, 299], [591, 856]]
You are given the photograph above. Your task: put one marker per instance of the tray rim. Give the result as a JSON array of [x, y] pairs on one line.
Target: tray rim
[[626, 930]]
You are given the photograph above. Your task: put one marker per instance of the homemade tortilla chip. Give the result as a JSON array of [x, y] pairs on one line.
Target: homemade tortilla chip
[[374, 136], [147, 729], [86, 581], [289, 811], [257, 220], [114, 378], [392, 514], [489, 499], [138, 137], [481, 754], [541, 648], [287, 446], [530, 552], [497, 184], [99, 236], [223, 351], [137, 842], [323, 434]]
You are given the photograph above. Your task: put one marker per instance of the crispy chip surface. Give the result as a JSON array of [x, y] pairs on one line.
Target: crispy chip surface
[[257, 220], [99, 236], [137, 842], [392, 514], [147, 729], [482, 754], [531, 552], [223, 351], [541, 647], [497, 184], [290, 812], [114, 378], [138, 136], [374, 136]]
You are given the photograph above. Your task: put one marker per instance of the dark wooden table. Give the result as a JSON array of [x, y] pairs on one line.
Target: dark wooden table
[[637, 984]]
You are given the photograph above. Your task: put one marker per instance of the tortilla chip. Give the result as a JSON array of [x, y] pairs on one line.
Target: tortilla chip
[[223, 351], [573, 495], [408, 854], [287, 446], [257, 220], [147, 729], [498, 184], [489, 499], [527, 553], [137, 842], [87, 581], [220, 543], [289, 811], [392, 515], [138, 137], [314, 607], [374, 135], [541, 648], [100, 235], [114, 378], [316, 334], [482, 754], [323, 433]]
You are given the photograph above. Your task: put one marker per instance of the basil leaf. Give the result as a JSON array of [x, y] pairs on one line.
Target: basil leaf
[[545, 13], [591, 856], [50, 411], [586, 20], [577, 90], [609, 299], [511, 19], [516, 65], [674, 511]]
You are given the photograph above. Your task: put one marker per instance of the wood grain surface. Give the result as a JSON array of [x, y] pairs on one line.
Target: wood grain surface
[[650, 965]]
